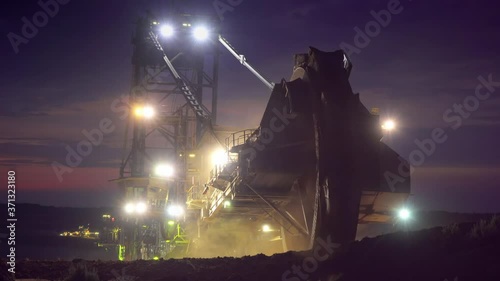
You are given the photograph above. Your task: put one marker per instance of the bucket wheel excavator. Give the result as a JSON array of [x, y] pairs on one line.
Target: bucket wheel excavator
[[314, 168], [316, 163]]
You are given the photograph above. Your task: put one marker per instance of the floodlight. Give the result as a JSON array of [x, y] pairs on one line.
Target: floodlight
[[129, 208], [164, 171], [266, 228], [140, 208], [200, 33], [138, 111], [167, 30], [144, 111], [148, 112], [404, 214], [175, 210], [389, 125], [219, 157]]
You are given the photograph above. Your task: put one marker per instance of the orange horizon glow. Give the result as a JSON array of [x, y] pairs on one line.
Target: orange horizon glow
[[36, 178]]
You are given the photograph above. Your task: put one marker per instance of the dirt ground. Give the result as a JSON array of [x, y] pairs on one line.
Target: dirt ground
[[433, 254]]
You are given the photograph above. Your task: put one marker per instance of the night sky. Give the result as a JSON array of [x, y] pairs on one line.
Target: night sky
[[418, 69]]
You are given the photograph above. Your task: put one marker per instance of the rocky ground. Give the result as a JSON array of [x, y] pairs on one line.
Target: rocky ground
[[459, 252]]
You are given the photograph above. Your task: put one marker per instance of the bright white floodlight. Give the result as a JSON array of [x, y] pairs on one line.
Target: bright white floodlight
[[200, 33], [389, 125], [144, 112], [164, 171], [149, 112], [129, 208], [404, 214], [266, 228], [175, 210], [167, 30], [136, 208], [219, 157], [140, 208]]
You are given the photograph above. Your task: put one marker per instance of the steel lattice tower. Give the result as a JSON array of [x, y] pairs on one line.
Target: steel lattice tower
[[162, 127]]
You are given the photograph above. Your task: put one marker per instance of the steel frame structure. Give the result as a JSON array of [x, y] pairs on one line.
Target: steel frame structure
[[175, 130]]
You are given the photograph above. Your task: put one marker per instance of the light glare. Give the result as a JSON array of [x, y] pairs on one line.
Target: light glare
[[219, 157], [164, 171], [175, 210], [136, 208], [389, 125], [138, 111], [144, 111], [404, 214], [200, 33], [148, 112], [167, 30], [140, 208], [129, 208]]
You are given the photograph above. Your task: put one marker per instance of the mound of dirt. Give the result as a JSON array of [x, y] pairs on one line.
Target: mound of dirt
[[433, 254]]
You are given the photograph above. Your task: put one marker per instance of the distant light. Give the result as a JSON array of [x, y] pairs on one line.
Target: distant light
[[134, 208], [266, 228], [192, 155], [141, 207], [171, 223], [129, 208], [389, 125], [156, 258], [164, 171], [144, 112], [219, 157], [186, 24], [167, 30], [404, 214], [148, 112], [175, 210], [227, 204], [200, 33], [138, 111]]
